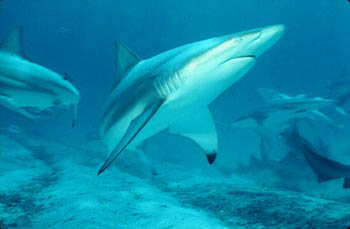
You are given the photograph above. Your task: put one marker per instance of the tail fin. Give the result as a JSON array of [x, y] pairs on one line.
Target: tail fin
[[324, 168]]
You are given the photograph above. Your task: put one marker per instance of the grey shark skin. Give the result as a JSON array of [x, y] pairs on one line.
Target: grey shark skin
[[28, 88], [173, 89], [281, 109], [324, 168], [276, 115]]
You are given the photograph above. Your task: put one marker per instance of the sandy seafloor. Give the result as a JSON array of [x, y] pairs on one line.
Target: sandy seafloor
[[50, 185]]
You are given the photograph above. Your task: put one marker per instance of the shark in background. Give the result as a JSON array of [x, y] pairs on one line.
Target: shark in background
[[280, 109], [302, 163], [28, 88], [324, 168], [276, 115], [290, 171], [173, 90]]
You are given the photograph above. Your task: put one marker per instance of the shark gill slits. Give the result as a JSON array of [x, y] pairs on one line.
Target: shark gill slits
[[171, 85], [177, 81], [167, 85], [160, 88]]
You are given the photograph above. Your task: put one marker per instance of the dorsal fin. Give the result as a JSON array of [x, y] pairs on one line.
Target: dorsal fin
[[13, 42], [68, 77], [125, 60]]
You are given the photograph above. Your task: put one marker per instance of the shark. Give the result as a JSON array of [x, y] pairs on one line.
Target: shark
[[324, 168], [271, 119], [280, 109], [29, 88], [172, 90]]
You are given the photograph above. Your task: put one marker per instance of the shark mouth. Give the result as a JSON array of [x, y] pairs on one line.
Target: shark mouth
[[236, 58]]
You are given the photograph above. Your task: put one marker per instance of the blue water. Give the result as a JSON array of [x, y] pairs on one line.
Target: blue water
[[77, 37]]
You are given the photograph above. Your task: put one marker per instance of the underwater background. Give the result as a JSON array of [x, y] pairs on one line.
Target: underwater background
[[48, 169]]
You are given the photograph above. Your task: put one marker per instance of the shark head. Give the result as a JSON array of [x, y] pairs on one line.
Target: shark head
[[27, 86], [66, 92], [215, 64]]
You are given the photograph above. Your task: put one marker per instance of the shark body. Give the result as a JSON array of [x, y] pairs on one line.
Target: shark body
[[278, 113], [280, 109], [173, 89], [325, 169], [28, 88]]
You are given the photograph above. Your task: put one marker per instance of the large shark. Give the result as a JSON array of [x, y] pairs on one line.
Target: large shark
[[324, 168], [173, 89], [28, 88]]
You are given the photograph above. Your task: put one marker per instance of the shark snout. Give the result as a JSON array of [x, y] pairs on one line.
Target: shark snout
[[268, 36], [255, 42]]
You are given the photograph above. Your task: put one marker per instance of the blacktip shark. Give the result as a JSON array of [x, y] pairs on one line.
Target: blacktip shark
[[173, 89], [325, 169], [28, 88], [280, 109]]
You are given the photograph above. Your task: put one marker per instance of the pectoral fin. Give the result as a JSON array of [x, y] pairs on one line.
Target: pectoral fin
[[133, 129], [199, 126]]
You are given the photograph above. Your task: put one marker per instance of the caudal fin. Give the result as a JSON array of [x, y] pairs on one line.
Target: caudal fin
[[324, 168]]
